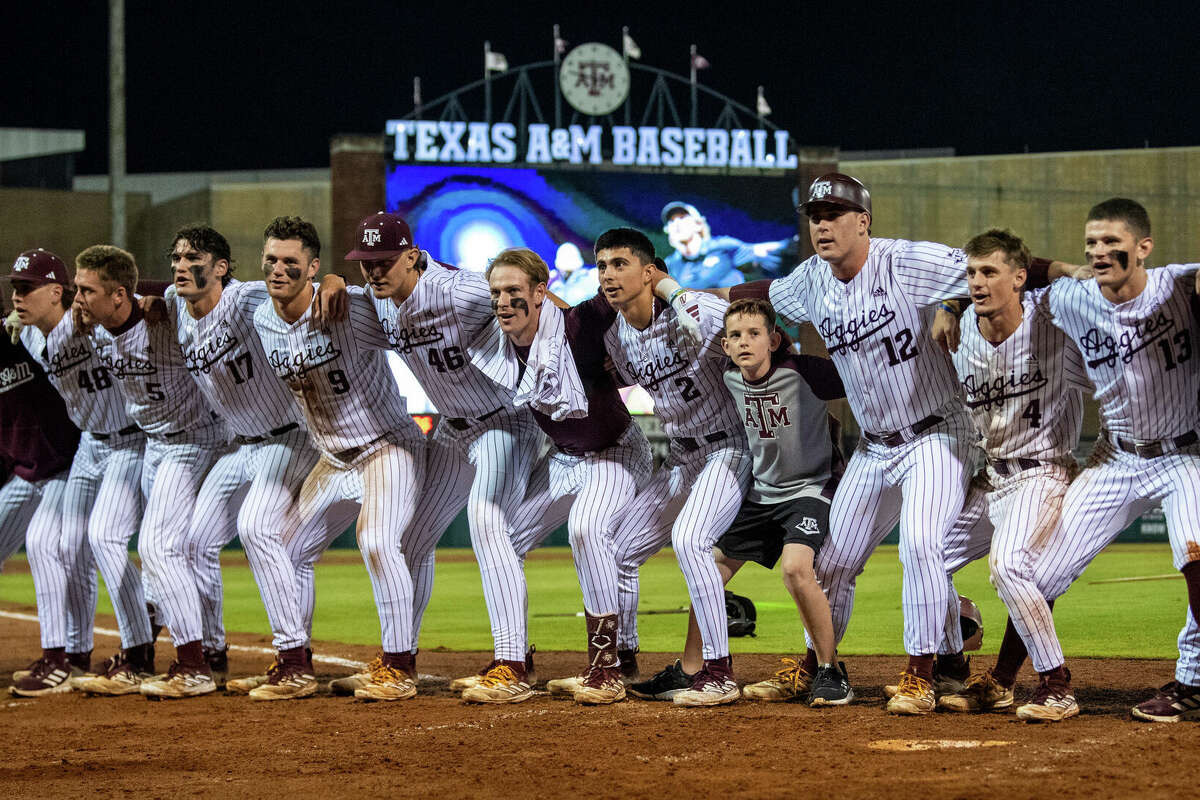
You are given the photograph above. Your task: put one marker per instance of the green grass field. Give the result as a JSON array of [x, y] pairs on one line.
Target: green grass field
[[1135, 619]]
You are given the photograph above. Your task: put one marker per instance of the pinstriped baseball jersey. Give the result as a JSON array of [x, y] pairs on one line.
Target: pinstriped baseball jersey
[[145, 361], [225, 356], [431, 330], [70, 360], [685, 381], [340, 378], [876, 327], [1140, 355], [1025, 395], [788, 427]]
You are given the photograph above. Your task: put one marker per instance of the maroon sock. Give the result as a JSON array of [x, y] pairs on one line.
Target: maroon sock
[[81, 660], [1010, 658], [191, 654], [141, 657], [405, 662], [953, 665], [810, 661], [921, 666], [55, 655], [1059, 675], [296, 657], [518, 667], [1191, 576]]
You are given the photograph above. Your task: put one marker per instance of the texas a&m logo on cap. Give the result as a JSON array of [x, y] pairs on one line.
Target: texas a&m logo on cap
[[819, 190], [371, 236], [22, 264]]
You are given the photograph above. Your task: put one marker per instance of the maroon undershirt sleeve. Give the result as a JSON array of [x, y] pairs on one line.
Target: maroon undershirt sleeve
[[758, 290], [821, 375]]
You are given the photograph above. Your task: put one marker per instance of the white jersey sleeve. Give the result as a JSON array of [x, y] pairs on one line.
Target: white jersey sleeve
[[347, 392], [789, 295], [685, 383], [225, 357], [431, 331], [929, 272], [1140, 354], [71, 360]]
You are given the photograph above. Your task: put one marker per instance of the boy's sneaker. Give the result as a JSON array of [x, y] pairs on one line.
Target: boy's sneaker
[[665, 685], [831, 687], [981, 692], [790, 682]]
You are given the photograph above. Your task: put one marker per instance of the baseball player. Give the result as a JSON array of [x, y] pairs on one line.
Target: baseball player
[[372, 454], [872, 301], [1137, 330], [700, 259], [213, 318], [694, 497], [37, 443], [554, 362], [483, 450], [1023, 383], [183, 439]]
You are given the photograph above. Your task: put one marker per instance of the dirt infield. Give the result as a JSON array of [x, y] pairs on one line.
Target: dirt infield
[[435, 745]]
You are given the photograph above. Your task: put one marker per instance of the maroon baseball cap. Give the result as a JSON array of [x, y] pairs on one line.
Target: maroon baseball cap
[[381, 236], [40, 267], [836, 189]]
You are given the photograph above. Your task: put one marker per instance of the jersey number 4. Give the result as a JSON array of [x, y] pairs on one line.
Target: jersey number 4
[[95, 380], [446, 359], [1033, 413]]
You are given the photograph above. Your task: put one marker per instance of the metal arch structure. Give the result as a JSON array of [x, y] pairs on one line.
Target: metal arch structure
[[653, 90]]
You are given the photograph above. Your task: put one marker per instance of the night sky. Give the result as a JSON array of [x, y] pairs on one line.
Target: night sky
[[264, 85]]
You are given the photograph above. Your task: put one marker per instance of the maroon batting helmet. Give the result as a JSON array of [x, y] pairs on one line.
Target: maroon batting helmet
[[836, 189]]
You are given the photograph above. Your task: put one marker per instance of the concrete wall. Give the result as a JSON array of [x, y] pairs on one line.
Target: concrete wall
[[1043, 197]]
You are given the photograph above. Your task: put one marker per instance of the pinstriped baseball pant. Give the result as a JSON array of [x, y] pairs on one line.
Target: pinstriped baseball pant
[[251, 493], [491, 463], [1015, 521], [18, 500], [690, 501], [589, 493], [63, 623], [1114, 490], [172, 474], [380, 489], [922, 485], [102, 507]]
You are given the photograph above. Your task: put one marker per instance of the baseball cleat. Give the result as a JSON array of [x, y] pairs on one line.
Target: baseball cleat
[[287, 683], [179, 682], [348, 685], [45, 676], [981, 692], [1052, 702], [565, 687], [629, 665], [117, 677], [251, 682], [471, 681], [914, 696], [80, 663], [831, 687], [942, 684], [600, 686], [500, 685], [218, 664], [712, 686], [386, 683], [1174, 702], [664, 685], [789, 682]]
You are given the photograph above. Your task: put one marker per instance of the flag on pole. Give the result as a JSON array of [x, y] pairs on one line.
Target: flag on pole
[[560, 44], [495, 62], [763, 108], [699, 61], [629, 46]]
